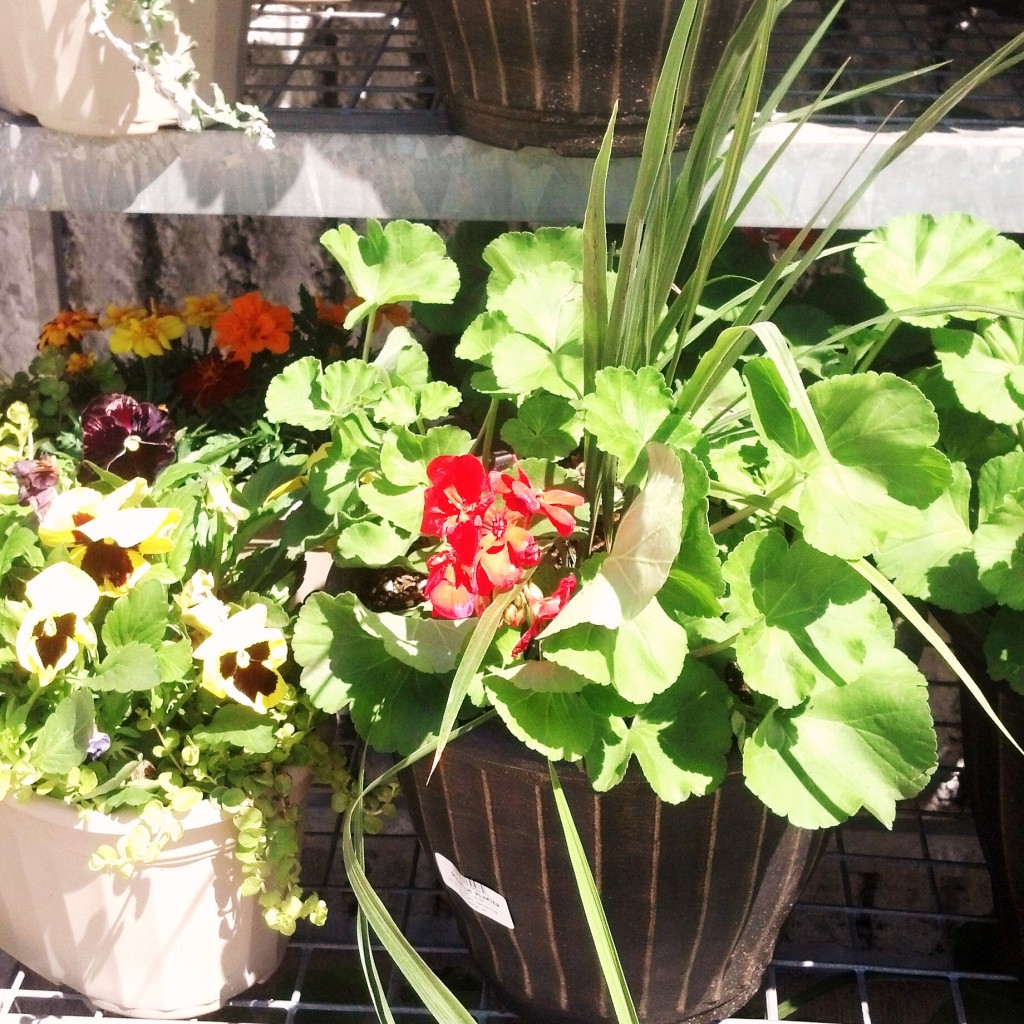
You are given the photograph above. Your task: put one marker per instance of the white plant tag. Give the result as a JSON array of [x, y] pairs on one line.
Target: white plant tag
[[478, 897]]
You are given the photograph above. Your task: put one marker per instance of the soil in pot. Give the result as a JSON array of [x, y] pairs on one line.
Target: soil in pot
[[695, 894]]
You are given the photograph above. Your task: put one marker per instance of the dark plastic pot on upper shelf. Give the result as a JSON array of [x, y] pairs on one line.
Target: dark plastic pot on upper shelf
[[517, 73], [695, 893]]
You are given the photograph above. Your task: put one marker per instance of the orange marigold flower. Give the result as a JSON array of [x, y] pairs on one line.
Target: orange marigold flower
[[253, 325], [78, 363], [67, 326], [203, 310], [332, 313], [145, 336]]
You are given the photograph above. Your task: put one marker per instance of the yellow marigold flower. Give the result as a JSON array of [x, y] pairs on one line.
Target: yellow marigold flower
[[241, 660], [79, 363], [56, 626], [202, 310], [147, 336], [66, 327], [120, 314]]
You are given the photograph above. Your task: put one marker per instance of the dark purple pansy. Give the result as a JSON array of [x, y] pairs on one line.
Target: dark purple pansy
[[127, 437], [37, 483]]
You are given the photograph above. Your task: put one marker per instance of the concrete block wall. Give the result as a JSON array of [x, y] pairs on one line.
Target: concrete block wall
[[54, 261]]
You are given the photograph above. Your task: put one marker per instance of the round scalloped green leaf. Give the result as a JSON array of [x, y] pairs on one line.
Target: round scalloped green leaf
[[681, 738], [396, 262], [936, 561], [546, 427], [999, 548], [867, 744], [295, 396], [805, 620], [556, 723], [625, 410], [919, 260], [517, 252], [983, 367]]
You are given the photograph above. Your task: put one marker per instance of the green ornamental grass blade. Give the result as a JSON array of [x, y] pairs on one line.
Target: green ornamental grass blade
[[600, 933]]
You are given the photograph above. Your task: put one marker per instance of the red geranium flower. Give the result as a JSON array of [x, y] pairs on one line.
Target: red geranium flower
[[211, 381], [521, 496], [542, 610], [459, 493]]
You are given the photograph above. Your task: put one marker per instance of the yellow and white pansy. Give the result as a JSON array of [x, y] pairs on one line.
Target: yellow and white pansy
[[241, 659], [109, 535], [56, 626], [201, 610]]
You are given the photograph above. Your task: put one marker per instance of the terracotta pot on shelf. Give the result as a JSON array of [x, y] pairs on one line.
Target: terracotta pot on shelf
[[695, 894], [516, 73], [73, 81], [173, 941]]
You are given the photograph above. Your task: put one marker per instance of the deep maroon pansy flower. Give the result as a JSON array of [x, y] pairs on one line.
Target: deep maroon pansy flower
[[127, 437]]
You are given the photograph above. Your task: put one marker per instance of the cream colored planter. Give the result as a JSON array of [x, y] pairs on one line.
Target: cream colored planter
[[75, 82], [174, 941]]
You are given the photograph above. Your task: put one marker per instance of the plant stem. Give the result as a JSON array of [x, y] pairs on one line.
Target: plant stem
[[872, 353]]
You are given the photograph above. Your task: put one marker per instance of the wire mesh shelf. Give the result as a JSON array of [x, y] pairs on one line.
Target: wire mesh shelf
[[895, 927], [335, 64]]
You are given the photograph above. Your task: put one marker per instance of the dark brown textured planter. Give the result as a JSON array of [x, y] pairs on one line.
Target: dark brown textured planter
[[519, 73], [695, 894], [994, 777]]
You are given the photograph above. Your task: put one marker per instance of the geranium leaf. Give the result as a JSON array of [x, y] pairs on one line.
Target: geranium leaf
[[880, 467], [645, 546], [482, 337], [625, 410], [681, 737], [134, 666], [982, 367], [372, 544], [644, 656], [437, 399], [866, 744], [237, 726], [295, 396], [404, 455], [404, 359], [398, 407], [936, 561], [804, 619], [401, 506], [393, 706], [352, 386], [557, 724], [1004, 648], [522, 365], [517, 252], [999, 548], [421, 641], [546, 427], [399, 262], [920, 260], [63, 739]]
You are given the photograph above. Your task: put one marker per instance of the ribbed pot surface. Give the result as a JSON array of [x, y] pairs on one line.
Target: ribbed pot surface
[[547, 72], [695, 894]]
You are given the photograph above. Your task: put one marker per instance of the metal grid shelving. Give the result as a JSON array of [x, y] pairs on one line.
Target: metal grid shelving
[[895, 927]]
